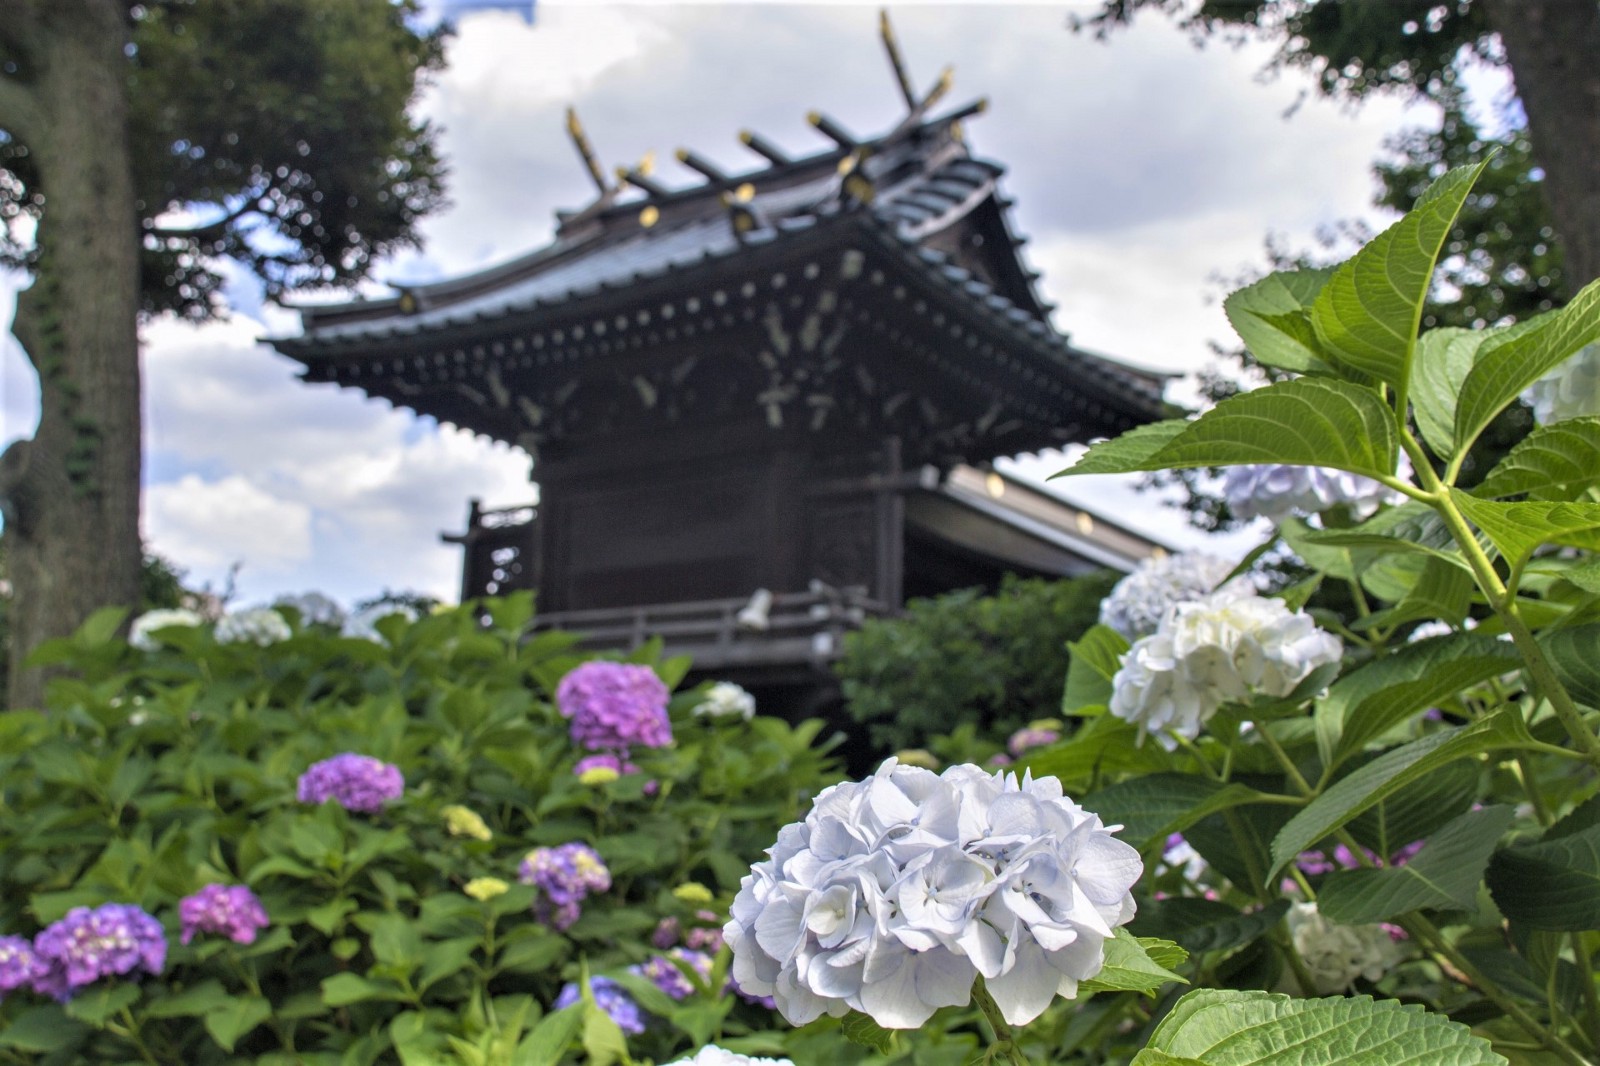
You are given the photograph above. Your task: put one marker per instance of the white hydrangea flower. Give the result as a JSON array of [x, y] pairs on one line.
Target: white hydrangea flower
[[142, 634], [1213, 651], [314, 608], [363, 624], [260, 626], [897, 892], [1138, 601], [1570, 390], [1335, 955], [1276, 490], [726, 700], [711, 1055]]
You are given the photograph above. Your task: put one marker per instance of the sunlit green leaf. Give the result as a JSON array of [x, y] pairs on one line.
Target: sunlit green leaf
[[1511, 361], [1366, 316], [1095, 659], [1443, 359], [1271, 318], [1518, 528], [1221, 1027], [1131, 451], [1556, 462], [1135, 965]]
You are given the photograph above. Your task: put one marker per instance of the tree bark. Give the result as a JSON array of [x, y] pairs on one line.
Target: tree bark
[[1554, 50], [71, 494]]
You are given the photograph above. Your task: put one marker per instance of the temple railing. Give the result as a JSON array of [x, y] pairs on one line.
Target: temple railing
[[764, 629]]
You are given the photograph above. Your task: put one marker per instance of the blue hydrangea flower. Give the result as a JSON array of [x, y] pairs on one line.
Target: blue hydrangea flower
[[86, 945], [610, 997]]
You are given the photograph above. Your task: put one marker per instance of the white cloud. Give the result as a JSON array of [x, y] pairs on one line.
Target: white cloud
[[211, 525]]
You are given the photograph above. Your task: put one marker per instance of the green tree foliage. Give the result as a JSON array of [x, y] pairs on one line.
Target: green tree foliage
[[968, 658], [141, 145]]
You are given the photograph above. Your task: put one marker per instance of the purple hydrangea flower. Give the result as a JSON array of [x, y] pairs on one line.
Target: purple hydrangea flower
[[86, 945], [667, 932], [19, 965], [232, 910], [603, 761], [768, 1002], [667, 977], [565, 875], [610, 997], [355, 782], [1031, 737], [615, 706]]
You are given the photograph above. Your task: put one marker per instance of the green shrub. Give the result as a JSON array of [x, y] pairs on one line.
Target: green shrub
[[156, 773], [995, 662]]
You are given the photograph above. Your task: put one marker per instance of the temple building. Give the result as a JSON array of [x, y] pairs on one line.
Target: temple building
[[763, 406]]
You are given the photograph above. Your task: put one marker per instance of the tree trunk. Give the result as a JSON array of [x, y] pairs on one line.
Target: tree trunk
[[71, 494], [1554, 50]]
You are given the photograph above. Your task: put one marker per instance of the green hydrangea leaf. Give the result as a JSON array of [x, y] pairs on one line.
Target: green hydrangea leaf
[[1198, 924], [1516, 529], [1444, 874], [1366, 316], [1135, 964], [1386, 775], [228, 1023], [862, 1030], [1095, 659], [1572, 653], [1553, 884], [1153, 806], [1271, 318], [1222, 1027], [1512, 360], [1443, 360], [1557, 462]]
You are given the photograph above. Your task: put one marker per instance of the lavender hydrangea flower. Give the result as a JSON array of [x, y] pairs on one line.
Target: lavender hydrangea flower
[[668, 977], [261, 627], [1275, 490], [20, 966], [610, 997], [86, 945], [565, 875], [356, 782], [142, 634], [615, 706], [1034, 735], [232, 910], [1137, 602], [897, 892]]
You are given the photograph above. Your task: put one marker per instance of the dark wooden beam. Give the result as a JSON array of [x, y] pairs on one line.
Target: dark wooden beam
[[698, 163], [764, 148], [832, 130]]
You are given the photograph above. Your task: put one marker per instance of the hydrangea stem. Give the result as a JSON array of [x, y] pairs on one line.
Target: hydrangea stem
[[1005, 1039]]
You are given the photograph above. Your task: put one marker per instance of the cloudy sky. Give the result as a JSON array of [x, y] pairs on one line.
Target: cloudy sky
[[1141, 168]]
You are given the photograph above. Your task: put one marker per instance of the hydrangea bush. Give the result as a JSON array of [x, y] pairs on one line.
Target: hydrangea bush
[[326, 849], [1378, 783]]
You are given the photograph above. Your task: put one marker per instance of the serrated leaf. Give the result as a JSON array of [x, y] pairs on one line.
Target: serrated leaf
[[1445, 873], [1270, 317], [1153, 806], [862, 1030], [1161, 1058], [1572, 652], [1556, 462], [1221, 1027], [1418, 809], [1386, 775], [1552, 885], [1411, 527], [228, 1023], [1378, 696], [1443, 360], [1199, 924], [1518, 528], [1366, 316], [1127, 452], [1511, 361], [1095, 659], [1132, 965], [1101, 746], [1306, 421], [1584, 573]]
